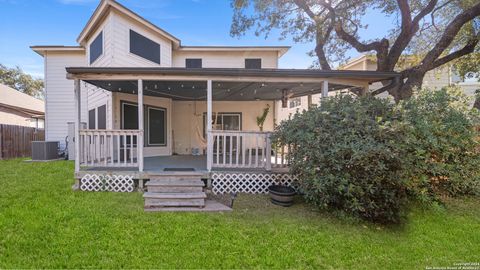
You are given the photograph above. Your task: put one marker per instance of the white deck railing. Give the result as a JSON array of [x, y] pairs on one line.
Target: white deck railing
[[109, 148], [245, 149]]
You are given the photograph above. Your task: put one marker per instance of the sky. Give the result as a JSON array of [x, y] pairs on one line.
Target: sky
[[24, 23]]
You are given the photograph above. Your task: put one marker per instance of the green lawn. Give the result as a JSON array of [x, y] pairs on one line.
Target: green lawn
[[44, 224]]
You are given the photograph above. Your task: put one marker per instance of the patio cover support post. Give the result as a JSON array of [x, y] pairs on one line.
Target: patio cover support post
[[140, 127], [209, 126], [325, 89], [309, 101], [77, 124]]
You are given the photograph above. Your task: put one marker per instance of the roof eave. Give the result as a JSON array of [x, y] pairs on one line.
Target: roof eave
[[280, 49], [41, 49], [371, 76]]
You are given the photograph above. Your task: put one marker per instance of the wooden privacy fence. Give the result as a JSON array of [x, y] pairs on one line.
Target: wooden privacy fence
[[16, 141]]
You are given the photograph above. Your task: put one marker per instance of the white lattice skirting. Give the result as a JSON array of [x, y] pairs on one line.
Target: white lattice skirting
[[106, 182], [253, 183]]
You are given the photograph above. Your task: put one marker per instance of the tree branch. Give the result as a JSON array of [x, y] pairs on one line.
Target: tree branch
[[450, 33], [408, 29], [468, 48], [303, 5]]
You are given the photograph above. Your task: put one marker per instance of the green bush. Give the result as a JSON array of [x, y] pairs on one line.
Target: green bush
[[443, 157], [368, 157], [345, 156]]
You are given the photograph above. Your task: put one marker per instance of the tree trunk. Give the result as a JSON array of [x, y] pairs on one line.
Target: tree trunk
[[322, 58], [407, 86]]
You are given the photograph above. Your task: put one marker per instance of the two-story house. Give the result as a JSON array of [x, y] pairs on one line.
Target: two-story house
[[144, 104]]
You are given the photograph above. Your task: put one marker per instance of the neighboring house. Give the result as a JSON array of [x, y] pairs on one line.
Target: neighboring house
[[145, 99], [435, 79], [19, 109]]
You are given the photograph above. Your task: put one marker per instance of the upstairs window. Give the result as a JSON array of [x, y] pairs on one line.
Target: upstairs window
[[144, 47], [253, 63], [294, 102], [193, 63], [96, 48]]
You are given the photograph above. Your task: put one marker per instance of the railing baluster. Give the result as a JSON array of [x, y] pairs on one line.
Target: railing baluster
[[224, 152], [244, 147], [111, 149], [237, 163], [105, 149], [231, 149], [131, 149], [268, 150], [218, 149], [256, 151], [124, 136], [262, 144], [118, 147]]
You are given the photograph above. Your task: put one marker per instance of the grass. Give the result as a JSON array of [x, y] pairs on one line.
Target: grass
[[44, 224]]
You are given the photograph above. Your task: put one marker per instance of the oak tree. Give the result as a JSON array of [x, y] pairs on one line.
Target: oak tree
[[435, 32]]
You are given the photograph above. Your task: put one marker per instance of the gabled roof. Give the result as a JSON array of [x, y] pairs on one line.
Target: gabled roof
[[103, 10], [15, 99]]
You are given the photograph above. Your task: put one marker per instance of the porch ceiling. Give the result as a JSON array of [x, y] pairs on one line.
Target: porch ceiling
[[226, 91], [235, 84]]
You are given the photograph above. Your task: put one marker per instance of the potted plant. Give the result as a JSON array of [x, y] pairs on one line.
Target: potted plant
[[281, 195], [261, 119]]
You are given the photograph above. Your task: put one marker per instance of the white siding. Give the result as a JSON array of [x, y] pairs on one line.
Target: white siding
[[437, 78], [59, 94], [222, 59], [106, 58], [98, 97], [121, 44]]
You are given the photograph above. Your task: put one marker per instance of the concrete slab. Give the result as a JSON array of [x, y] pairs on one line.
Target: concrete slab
[[210, 206]]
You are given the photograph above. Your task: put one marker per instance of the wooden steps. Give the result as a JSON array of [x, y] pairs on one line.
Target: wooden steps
[[178, 190]]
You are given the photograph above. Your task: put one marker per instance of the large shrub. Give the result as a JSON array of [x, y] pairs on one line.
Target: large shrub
[[367, 156], [442, 145], [346, 156]]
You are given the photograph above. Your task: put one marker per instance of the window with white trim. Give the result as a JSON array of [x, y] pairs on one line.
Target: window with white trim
[[295, 102], [96, 48], [155, 122], [156, 131]]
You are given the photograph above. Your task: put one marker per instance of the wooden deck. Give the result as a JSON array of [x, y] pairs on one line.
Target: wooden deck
[[157, 166]]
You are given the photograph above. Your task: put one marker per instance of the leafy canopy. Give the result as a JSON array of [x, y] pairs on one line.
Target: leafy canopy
[[435, 32], [25, 83]]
